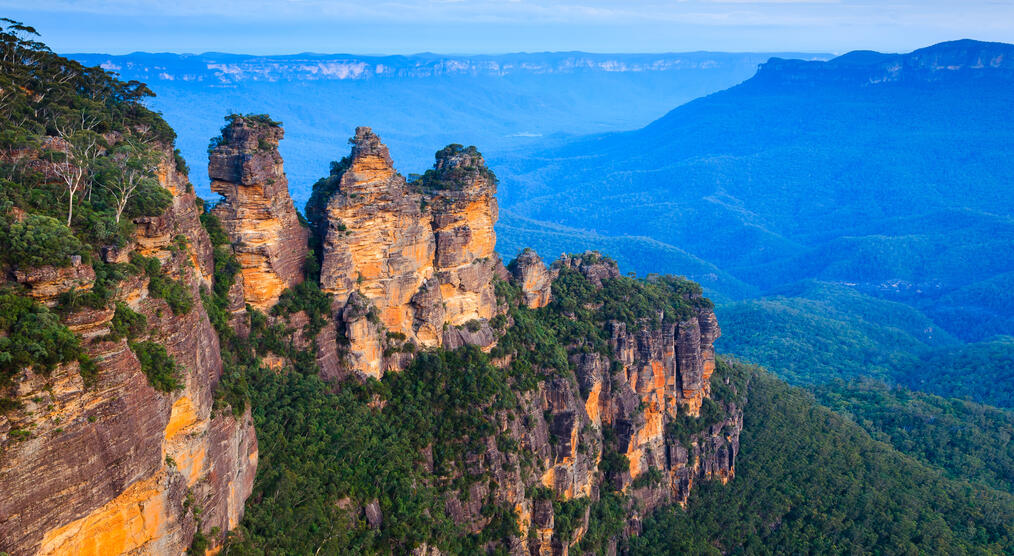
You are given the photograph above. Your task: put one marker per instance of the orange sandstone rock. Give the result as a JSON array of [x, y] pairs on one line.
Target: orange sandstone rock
[[106, 469], [257, 212], [420, 256], [535, 280]]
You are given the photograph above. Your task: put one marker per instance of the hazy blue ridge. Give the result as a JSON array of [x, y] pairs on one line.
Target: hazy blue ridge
[[890, 174]]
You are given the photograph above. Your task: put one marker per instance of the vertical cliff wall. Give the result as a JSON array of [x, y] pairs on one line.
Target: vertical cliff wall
[[461, 191], [257, 212], [117, 466], [406, 262], [638, 401]]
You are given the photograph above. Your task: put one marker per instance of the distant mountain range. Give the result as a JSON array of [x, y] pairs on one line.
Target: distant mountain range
[[420, 103], [217, 67], [888, 173]]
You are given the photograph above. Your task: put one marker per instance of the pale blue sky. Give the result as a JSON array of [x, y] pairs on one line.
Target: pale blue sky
[[497, 26]]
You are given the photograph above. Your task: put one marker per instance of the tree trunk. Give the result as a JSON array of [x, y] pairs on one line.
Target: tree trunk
[[70, 208]]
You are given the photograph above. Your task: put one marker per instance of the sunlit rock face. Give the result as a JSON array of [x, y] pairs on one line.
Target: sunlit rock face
[[461, 191], [257, 212], [660, 373], [534, 279], [107, 467], [379, 242], [419, 255]]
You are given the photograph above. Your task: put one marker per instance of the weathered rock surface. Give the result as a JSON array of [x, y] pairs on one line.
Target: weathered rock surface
[[460, 192], [621, 404], [378, 241], [106, 469], [257, 212], [45, 284], [534, 279], [420, 256]]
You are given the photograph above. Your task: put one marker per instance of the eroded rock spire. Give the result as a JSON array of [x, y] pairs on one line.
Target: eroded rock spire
[[257, 212], [420, 254]]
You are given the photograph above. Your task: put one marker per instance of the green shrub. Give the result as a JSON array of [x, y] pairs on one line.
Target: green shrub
[[651, 477], [160, 368], [126, 323], [181, 163], [38, 241], [174, 292], [32, 336], [567, 515]]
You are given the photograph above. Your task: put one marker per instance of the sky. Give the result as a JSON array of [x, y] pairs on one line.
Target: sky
[[501, 26]]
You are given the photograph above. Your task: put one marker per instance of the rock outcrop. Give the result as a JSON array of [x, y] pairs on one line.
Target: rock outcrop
[[116, 466], [257, 212], [534, 279], [416, 259], [657, 373], [45, 284], [622, 402], [460, 192], [632, 405], [379, 242]]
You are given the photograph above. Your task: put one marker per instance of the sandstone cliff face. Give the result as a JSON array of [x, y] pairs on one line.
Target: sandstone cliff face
[[257, 211], [418, 258], [534, 279], [623, 404], [117, 466], [461, 191]]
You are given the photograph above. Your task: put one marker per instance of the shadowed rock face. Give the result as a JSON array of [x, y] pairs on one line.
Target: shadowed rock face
[[420, 255], [107, 468], [257, 211]]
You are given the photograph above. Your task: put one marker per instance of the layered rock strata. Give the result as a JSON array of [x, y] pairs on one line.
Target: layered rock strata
[[406, 263], [257, 212], [534, 279], [117, 467]]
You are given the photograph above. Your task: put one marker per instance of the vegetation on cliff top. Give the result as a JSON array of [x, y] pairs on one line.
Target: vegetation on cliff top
[[78, 158], [75, 142], [76, 145], [455, 167]]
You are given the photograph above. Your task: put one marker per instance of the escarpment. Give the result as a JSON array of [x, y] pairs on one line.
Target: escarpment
[[516, 406], [94, 459], [630, 416], [257, 212]]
